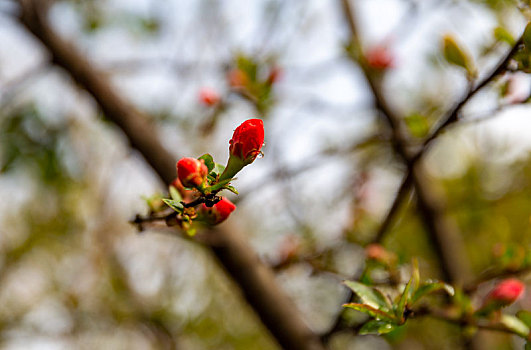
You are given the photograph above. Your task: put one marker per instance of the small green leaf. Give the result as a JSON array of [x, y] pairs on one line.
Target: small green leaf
[[524, 316], [429, 287], [527, 345], [209, 161], [417, 125], [219, 168], [175, 195], [175, 205], [455, 55], [527, 36], [515, 325], [401, 306], [232, 189], [502, 34], [377, 327], [371, 311], [369, 295]]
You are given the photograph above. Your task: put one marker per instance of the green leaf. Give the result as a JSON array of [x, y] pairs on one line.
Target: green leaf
[[369, 295], [527, 345], [175, 205], [377, 327], [515, 325], [417, 124], [527, 36], [371, 311], [502, 34], [455, 55], [524, 316], [232, 189], [219, 168], [209, 161], [429, 287], [401, 306], [175, 195]]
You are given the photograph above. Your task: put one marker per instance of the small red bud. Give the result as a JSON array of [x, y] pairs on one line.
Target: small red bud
[[237, 78], [216, 214], [209, 97], [379, 57], [191, 172], [375, 251], [506, 292], [274, 75]]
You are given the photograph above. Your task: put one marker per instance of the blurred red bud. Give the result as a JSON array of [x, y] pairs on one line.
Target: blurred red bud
[[506, 292], [375, 251], [237, 78], [503, 294], [209, 97], [274, 75], [216, 214], [191, 172], [379, 57]]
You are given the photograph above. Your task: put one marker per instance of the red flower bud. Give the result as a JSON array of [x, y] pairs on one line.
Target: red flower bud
[[209, 96], [245, 146], [237, 78], [191, 172], [378, 57], [216, 214], [247, 140], [274, 75], [506, 292]]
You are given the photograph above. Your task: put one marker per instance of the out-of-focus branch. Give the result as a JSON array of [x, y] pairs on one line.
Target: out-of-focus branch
[[442, 231], [256, 281], [449, 119]]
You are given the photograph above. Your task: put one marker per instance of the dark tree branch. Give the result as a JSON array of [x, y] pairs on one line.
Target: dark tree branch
[[257, 282]]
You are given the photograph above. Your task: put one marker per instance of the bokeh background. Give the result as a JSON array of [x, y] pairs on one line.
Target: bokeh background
[[75, 274]]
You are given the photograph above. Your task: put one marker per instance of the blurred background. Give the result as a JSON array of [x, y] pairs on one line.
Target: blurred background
[[75, 274]]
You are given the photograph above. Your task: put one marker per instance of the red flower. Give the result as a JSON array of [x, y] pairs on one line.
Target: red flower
[[191, 172], [378, 57], [506, 292], [216, 214], [237, 78], [247, 140], [209, 96]]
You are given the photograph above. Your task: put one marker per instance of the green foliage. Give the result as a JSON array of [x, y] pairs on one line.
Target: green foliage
[[455, 55]]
